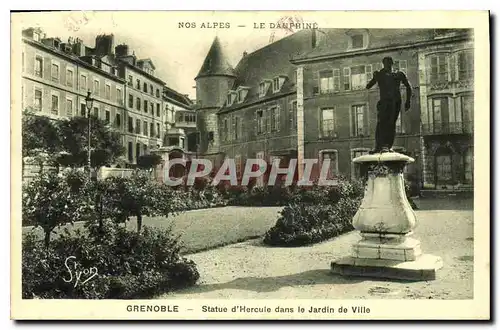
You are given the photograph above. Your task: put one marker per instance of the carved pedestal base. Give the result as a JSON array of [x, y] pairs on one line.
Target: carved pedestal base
[[386, 220], [390, 247], [422, 269]]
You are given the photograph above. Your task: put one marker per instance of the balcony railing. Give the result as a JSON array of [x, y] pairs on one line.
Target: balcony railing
[[448, 128]]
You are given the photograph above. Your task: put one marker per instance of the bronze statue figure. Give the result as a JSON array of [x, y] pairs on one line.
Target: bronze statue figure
[[389, 105]]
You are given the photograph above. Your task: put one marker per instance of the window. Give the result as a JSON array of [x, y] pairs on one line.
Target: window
[[326, 82], [130, 101], [145, 129], [347, 79], [157, 92], [69, 78], [260, 122], [55, 105], [437, 109], [118, 120], [39, 66], [107, 92], [83, 82], [358, 120], [151, 89], [357, 41], [443, 167], [137, 151], [130, 125], [275, 119], [468, 165], [465, 65], [130, 152], [241, 95], [55, 72], [96, 87], [358, 77], [96, 112], [400, 65], [69, 107], [158, 130], [152, 108], [118, 95], [83, 110], [107, 116], [293, 115], [467, 108], [236, 123], [439, 68], [276, 85], [262, 89], [138, 103], [328, 122], [138, 84], [332, 155], [129, 82], [145, 105], [151, 130], [138, 126], [38, 100], [158, 109], [145, 87], [231, 98], [225, 129]]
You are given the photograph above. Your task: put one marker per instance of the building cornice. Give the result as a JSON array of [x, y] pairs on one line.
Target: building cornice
[[256, 102], [369, 51]]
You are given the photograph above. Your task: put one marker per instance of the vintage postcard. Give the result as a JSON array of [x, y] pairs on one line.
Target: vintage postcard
[[200, 165]]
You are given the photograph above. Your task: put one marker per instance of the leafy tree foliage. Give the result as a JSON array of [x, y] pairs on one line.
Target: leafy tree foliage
[[149, 161], [52, 200], [105, 143]]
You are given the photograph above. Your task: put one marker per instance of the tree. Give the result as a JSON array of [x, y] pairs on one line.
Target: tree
[[40, 140], [39, 134], [105, 142], [149, 161], [137, 196], [52, 200]]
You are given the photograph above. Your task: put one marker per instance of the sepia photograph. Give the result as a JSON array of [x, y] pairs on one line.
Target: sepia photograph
[[250, 165]]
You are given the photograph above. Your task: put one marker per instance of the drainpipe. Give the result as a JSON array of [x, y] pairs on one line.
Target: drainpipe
[[300, 121]]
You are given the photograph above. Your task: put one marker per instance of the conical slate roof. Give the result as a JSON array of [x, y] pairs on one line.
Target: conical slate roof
[[216, 62]]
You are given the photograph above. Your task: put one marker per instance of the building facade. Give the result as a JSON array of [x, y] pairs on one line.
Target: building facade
[[126, 92], [250, 111], [339, 113]]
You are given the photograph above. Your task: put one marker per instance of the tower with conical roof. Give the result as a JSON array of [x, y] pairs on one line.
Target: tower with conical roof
[[215, 78]]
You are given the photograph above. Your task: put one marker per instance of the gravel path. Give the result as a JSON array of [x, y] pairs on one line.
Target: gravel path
[[254, 271]]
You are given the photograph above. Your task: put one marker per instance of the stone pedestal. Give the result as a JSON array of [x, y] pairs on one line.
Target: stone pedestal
[[385, 221]]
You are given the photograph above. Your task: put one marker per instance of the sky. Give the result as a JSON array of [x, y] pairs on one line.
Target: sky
[[177, 53]]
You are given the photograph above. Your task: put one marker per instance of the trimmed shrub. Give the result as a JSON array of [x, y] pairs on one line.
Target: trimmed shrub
[[129, 265], [315, 214]]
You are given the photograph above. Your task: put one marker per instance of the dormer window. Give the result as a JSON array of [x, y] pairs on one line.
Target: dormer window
[[242, 93], [278, 83], [231, 97], [36, 36], [357, 41]]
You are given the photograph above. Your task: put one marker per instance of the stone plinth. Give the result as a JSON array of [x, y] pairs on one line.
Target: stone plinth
[[386, 221]]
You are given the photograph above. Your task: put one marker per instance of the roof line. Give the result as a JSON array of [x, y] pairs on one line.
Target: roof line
[[377, 50], [73, 58]]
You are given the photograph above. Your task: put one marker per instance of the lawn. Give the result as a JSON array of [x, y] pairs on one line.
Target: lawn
[[208, 228]]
